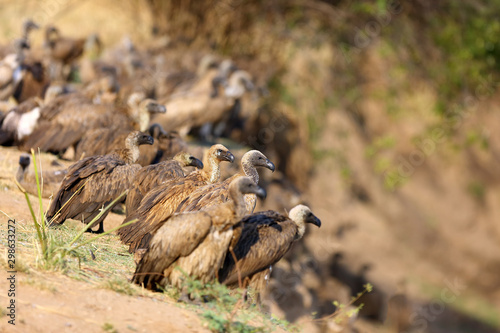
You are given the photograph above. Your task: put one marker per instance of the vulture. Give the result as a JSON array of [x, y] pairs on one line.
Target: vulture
[[11, 70], [265, 238], [94, 182], [63, 126], [100, 141], [195, 242], [21, 120], [162, 201], [50, 180], [213, 194], [62, 51], [197, 106], [27, 27], [154, 175]]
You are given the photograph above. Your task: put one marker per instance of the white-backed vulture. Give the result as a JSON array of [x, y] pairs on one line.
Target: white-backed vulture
[[95, 182], [27, 27], [214, 194], [11, 70], [151, 176], [50, 180], [100, 141], [265, 238], [195, 107], [74, 119], [195, 242], [62, 51], [21, 120], [161, 202]]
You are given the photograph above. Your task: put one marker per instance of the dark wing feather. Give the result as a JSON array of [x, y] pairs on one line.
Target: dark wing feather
[[155, 208], [265, 239], [175, 239], [101, 180], [149, 178]]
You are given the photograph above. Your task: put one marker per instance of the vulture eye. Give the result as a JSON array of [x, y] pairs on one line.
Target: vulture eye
[[219, 151]]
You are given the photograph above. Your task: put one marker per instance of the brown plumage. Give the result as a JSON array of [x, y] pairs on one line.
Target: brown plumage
[[100, 141], [62, 51], [200, 103], [154, 175], [265, 239], [161, 202], [12, 71], [50, 180], [214, 194], [194, 242], [63, 126], [96, 181]]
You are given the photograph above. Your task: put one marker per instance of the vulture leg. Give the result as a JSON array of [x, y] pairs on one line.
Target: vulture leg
[[98, 231]]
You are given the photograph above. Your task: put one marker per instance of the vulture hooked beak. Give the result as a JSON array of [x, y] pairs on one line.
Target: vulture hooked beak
[[196, 162], [270, 165], [32, 25], [24, 161], [314, 220], [156, 108], [146, 140], [260, 192], [225, 156]]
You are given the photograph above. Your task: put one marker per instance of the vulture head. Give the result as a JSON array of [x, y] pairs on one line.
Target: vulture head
[[137, 138], [24, 161], [156, 130], [28, 26], [301, 215], [245, 185], [186, 159], [257, 159], [152, 106], [51, 35], [239, 82], [221, 153]]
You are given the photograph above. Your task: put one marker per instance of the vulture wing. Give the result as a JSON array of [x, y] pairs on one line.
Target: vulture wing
[[265, 238], [151, 177], [175, 239], [101, 179], [155, 208]]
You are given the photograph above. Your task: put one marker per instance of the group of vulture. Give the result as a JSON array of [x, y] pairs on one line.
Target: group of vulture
[[125, 129]]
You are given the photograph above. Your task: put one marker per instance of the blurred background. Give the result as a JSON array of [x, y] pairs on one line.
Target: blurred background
[[381, 115]]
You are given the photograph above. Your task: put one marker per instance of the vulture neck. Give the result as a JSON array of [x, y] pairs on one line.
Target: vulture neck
[[250, 171], [301, 229], [131, 154], [238, 201], [20, 173], [141, 116], [212, 171]]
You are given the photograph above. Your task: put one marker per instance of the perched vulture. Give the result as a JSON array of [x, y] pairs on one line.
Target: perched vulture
[[20, 122], [154, 175], [265, 238], [94, 182], [195, 242], [199, 105], [27, 27], [12, 71], [214, 194], [64, 126], [50, 180], [62, 51], [100, 141], [161, 202]]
